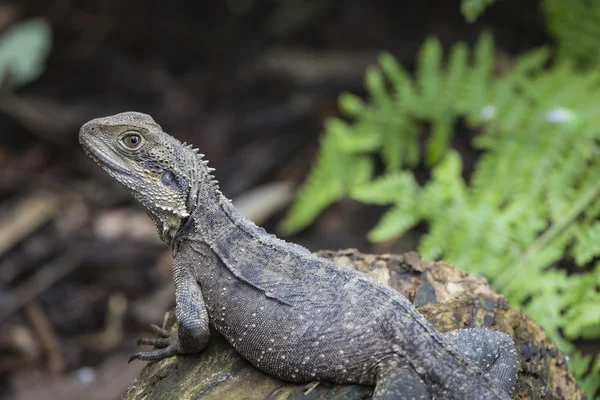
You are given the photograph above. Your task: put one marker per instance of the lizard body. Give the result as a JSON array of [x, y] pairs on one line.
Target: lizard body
[[290, 313]]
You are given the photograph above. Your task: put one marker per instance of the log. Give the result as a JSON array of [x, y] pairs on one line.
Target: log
[[447, 296]]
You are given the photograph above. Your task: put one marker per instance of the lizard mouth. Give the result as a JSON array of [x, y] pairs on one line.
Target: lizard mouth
[[104, 156]]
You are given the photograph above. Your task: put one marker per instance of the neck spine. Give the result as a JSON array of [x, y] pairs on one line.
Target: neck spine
[[204, 195]]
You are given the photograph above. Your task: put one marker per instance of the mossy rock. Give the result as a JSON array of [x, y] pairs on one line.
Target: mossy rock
[[448, 297]]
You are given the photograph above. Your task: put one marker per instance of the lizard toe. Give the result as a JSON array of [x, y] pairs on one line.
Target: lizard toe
[[167, 344], [153, 355], [160, 331], [158, 343]]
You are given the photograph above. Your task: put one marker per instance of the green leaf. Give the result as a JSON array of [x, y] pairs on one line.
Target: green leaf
[[351, 104], [531, 62], [398, 76], [438, 143], [386, 189], [429, 77], [331, 178], [472, 9], [375, 84], [349, 139], [588, 244], [401, 145], [23, 50], [478, 80], [575, 26], [455, 78], [582, 316], [394, 223]]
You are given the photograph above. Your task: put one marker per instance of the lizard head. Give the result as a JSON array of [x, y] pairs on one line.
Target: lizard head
[[156, 168]]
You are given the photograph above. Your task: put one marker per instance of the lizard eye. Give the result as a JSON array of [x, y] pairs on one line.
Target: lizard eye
[[132, 141]]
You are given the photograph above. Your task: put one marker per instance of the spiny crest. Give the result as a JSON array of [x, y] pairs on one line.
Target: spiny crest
[[212, 178], [201, 158], [200, 174]]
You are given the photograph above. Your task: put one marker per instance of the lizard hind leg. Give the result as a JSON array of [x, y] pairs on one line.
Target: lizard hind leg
[[398, 380], [492, 351]]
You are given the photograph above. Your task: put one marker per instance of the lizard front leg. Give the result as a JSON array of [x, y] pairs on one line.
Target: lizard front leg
[[192, 332]]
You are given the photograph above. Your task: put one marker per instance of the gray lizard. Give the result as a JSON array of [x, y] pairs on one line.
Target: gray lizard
[[292, 314]]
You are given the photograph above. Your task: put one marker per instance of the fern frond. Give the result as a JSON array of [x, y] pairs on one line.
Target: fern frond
[[588, 243], [533, 200], [576, 27], [583, 316], [589, 371], [352, 139], [401, 145], [394, 223], [472, 9], [429, 79], [331, 178], [402, 83], [351, 105], [476, 93], [588, 368], [376, 86], [400, 187]]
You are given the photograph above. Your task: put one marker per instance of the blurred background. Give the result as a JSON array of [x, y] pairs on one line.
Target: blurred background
[[471, 135]]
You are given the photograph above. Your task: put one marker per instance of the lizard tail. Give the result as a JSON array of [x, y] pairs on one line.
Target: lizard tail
[[493, 352]]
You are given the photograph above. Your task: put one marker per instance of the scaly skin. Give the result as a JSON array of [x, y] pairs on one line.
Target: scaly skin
[[294, 315]]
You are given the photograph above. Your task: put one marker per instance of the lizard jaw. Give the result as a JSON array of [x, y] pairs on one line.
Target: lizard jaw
[[99, 152]]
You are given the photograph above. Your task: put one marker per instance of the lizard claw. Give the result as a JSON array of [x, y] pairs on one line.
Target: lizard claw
[[153, 355], [167, 344]]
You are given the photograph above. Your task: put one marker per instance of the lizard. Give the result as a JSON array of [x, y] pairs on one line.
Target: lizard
[[290, 313]]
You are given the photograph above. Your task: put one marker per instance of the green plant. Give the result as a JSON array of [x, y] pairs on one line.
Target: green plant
[[532, 203], [472, 9], [23, 50], [575, 25]]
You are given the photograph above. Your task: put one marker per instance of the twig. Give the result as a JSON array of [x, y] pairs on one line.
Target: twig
[[39, 321], [42, 280], [261, 203], [27, 216], [112, 334]]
